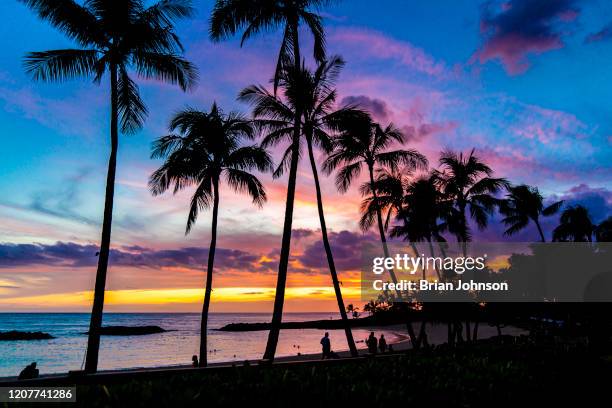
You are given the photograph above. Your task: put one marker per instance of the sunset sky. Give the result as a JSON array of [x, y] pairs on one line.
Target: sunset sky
[[527, 83]]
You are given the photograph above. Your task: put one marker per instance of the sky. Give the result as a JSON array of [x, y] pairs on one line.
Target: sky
[[524, 82]]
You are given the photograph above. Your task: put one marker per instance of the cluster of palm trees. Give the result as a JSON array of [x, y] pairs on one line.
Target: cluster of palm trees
[[206, 148]]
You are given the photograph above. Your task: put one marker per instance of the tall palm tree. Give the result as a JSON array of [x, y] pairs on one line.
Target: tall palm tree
[[424, 214], [255, 16], [467, 180], [206, 149], [389, 187], [113, 37], [524, 203], [364, 143], [315, 93], [575, 225]]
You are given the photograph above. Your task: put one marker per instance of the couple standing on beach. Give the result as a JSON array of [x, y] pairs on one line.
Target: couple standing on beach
[[372, 342]]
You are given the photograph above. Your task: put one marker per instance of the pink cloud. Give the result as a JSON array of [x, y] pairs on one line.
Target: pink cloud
[[362, 43], [520, 28], [512, 49]]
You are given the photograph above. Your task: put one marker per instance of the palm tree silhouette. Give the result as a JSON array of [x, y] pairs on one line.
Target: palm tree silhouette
[[363, 142], [468, 182], [314, 92], [424, 214], [255, 16], [113, 37], [207, 149], [524, 203], [603, 232], [390, 187], [575, 225]]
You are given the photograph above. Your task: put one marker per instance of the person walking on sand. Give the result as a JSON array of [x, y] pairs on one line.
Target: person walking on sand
[[326, 346], [382, 344], [372, 343]]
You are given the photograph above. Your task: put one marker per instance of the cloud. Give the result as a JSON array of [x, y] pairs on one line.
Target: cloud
[[51, 112], [377, 107], [299, 233], [62, 201], [70, 254], [522, 27], [601, 35], [597, 200], [416, 133], [347, 248], [365, 44]]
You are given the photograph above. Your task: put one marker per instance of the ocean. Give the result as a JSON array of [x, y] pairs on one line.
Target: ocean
[[175, 347]]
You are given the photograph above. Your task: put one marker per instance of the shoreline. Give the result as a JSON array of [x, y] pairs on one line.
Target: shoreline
[[327, 324], [402, 343]]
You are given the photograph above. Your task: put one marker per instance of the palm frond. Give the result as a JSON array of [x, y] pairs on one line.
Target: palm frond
[[132, 110], [166, 67], [72, 19], [346, 175], [60, 65], [241, 181]]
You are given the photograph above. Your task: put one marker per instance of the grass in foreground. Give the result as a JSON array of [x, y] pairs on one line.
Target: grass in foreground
[[487, 374]]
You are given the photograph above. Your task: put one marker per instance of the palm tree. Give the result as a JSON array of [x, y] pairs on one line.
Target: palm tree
[[468, 182], [314, 92], [255, 16], [603, 232], [424, 214], [524, 203], [390, 187], [206, 149], [364, 143], [575, 225], [113, 36]]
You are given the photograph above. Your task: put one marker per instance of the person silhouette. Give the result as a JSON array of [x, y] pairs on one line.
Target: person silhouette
[[326, 346], [382, 344], [194, 361], [372, 343], [30, 371]]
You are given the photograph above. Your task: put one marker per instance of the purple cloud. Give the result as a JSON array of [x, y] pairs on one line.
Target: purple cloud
[[523, 27], [70, 254], [377, 107], [347, 248], [601, 35], [597, 200]]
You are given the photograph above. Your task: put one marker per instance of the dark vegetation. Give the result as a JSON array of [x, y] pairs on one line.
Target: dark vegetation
[[130, 330], [19, 335], [504, 371]]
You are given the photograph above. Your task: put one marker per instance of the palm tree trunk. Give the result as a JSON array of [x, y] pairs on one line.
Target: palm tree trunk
[[464, 227], [416, 253], [383, 239], [95, 324], [537, 223], [328, 252], [433, 255], [279, 298], [381, 227], [209, 277]]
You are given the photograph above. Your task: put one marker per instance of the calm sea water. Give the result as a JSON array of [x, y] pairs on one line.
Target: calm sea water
[[67, 350]]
